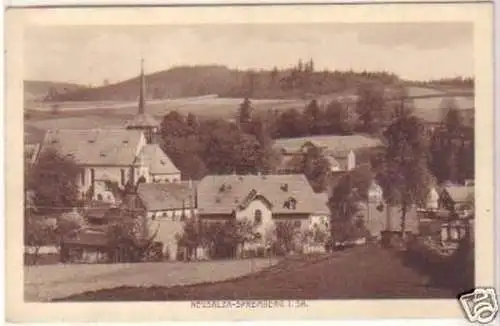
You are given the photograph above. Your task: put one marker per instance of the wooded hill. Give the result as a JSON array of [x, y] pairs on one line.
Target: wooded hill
[[301, 81]]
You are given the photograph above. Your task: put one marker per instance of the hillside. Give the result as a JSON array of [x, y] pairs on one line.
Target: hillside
[[203, 80], [37, 90]]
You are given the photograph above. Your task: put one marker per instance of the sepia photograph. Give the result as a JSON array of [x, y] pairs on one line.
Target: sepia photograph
[[249, 164]]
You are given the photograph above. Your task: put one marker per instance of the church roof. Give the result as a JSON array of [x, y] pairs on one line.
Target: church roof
[[157, 160], [143, 120], [96, 147]]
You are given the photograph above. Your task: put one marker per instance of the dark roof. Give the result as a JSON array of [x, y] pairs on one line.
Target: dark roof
[[166, 196], [222, 194]]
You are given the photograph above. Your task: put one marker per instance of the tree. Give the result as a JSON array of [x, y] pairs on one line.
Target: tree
[[286, 233], [371, 107], [53, 178], [405, 178], [344, 202], [174, 124], [38, 232], [245, 113], [312, 117], [340, 118], [451, 147], [290, 124], [130, 239], [68, 223]]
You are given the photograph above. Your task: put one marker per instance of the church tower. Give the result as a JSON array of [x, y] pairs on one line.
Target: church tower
[[142, 120]]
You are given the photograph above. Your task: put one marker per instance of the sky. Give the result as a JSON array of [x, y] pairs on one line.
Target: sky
[[92, 54]]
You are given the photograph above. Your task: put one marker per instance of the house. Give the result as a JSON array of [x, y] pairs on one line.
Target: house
[[264, 200], [381, 217], [457, 199], [111, 158], [340, 151], [166, 206]]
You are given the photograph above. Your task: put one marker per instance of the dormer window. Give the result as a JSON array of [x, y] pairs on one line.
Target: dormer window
[[290, 203]]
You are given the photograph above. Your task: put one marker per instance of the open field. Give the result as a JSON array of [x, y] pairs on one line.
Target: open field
[[42, 283], [203, 106], [357, 273]]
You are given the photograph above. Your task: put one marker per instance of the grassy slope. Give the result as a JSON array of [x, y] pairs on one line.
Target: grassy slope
[[364, 272]]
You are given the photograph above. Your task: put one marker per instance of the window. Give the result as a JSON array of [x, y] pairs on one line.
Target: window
[[297, 224], [258, 216], [164, 214], [83, 177]]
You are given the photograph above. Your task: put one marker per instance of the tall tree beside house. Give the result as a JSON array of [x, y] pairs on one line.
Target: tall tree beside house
[[347, 193], [53, 179], [343, 206], [405, 178], [314, 166], [261, 129], [451, 150]]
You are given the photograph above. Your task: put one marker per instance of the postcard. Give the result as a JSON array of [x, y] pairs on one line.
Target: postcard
[[241, 163]]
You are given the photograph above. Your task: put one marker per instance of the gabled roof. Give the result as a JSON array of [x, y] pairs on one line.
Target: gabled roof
[[460, 194], [321, 203], [97, 146], [223, 194], [143, 120], [167, 196], [157, 161], [330, 142]]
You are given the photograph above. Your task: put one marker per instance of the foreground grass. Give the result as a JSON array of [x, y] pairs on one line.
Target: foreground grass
[[364, 272]]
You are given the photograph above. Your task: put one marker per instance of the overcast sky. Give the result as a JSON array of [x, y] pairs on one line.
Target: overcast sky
[[91, 54]]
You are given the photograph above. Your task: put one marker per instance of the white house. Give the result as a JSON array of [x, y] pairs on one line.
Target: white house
[[264, 200]]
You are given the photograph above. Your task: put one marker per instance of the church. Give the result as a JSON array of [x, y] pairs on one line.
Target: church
[[111, 159]]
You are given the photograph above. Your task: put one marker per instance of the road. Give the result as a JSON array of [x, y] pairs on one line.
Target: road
[[43, 283]]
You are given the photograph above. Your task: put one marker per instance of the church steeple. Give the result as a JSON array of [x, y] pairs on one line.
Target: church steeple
[[142, 92], [142, 120]]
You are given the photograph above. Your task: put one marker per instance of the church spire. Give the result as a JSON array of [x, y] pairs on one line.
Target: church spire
[[142, 94]]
